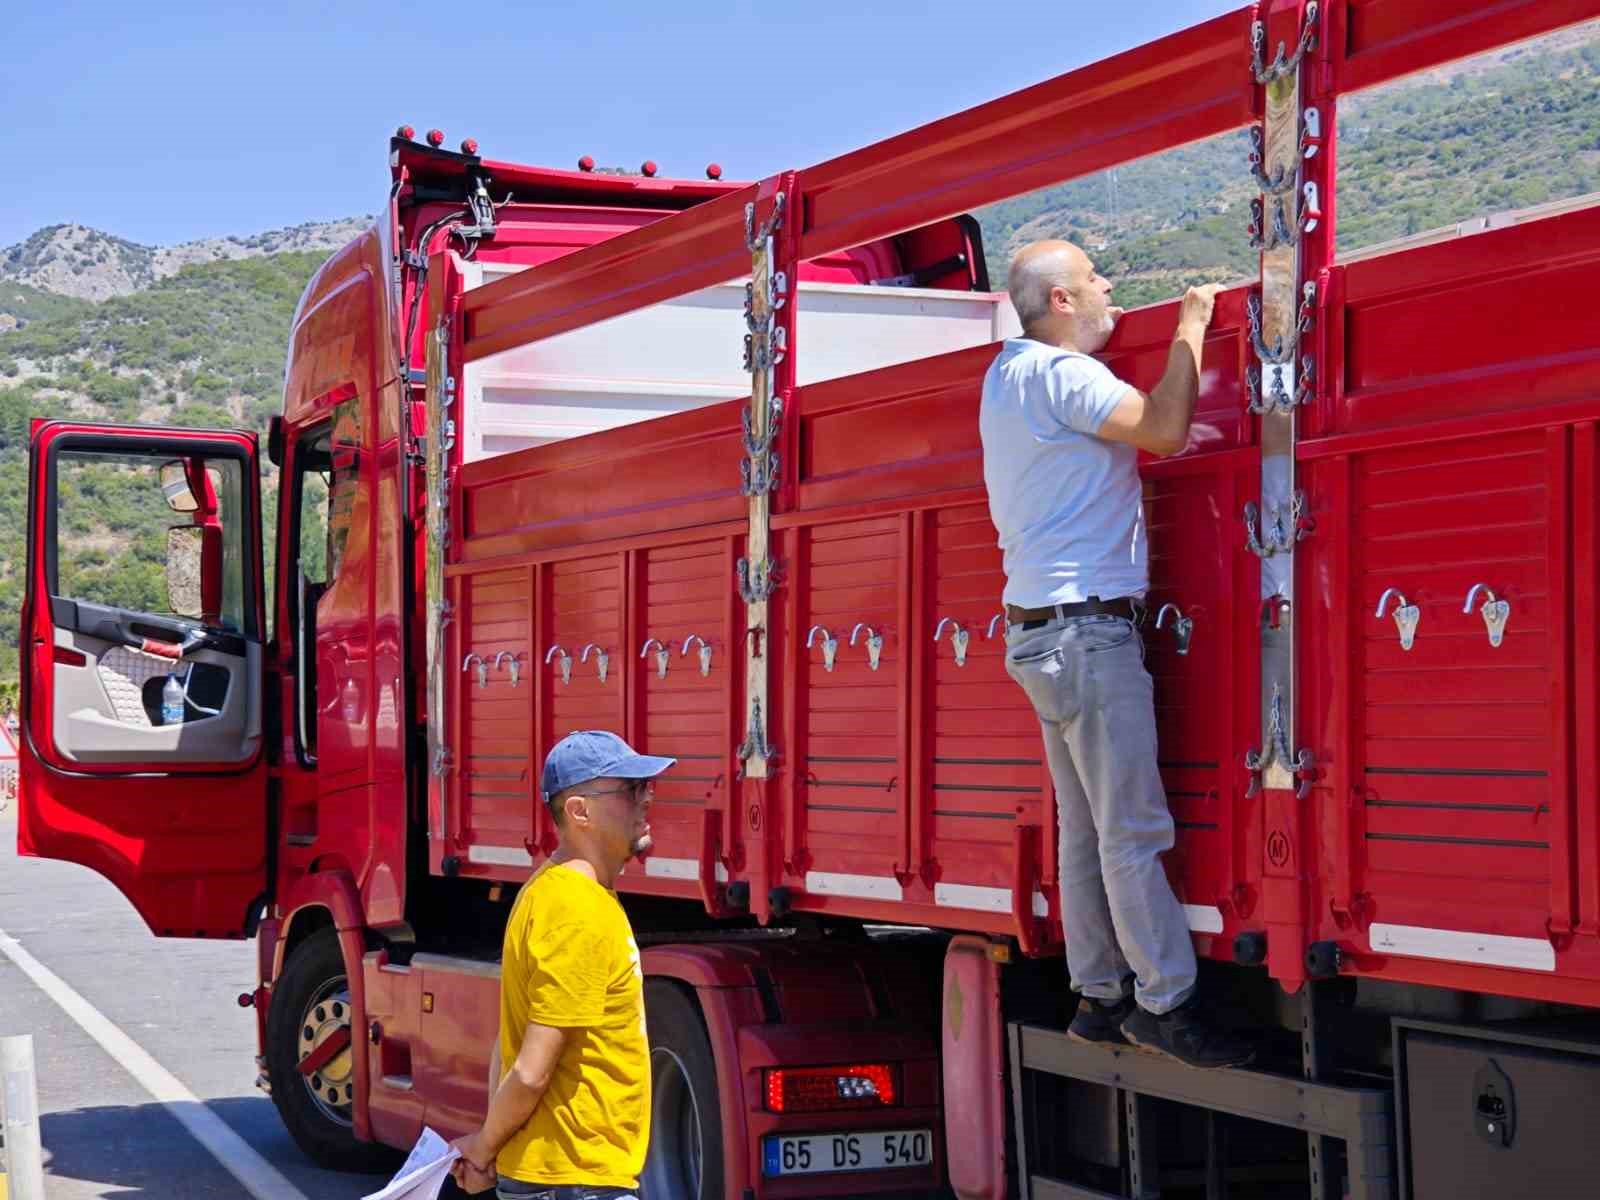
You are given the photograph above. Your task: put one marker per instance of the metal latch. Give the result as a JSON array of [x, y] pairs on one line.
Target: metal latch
[[1406, 615], [663, 656], [602, 659], [959, 639], [1182, 626], [1494, 1105], [504, 654], [483, 668], [705, 652], [830, 645], [566, 662], [874, 643], [1496, 612]]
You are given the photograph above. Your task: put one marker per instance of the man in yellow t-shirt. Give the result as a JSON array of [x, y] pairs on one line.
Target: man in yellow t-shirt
[[570, 1118]]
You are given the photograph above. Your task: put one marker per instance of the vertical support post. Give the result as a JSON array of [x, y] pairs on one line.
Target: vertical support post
[[1315, 1043], [761, 428], [440, 395], [1292, 216], [1216, 1158], [19, 1100], [1019, 1111], [1144, 1151], [769, 317]]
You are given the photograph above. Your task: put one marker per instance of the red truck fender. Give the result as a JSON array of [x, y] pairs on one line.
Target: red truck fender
[[333, 892], [727, 996]]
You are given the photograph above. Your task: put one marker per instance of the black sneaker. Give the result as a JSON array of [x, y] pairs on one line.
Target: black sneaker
[[1185, 1035], [1101, 1021]]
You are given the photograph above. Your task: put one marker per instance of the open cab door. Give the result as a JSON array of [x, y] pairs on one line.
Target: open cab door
[[141, 753]]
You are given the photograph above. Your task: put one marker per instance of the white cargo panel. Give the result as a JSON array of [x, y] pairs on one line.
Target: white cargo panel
[[688, 352]]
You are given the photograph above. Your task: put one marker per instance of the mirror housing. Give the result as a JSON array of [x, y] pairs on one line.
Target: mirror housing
[[194, 572], [175, 487], [275, 440]]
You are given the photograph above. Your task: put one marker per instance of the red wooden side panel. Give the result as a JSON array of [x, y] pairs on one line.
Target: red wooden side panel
[[850, 767], [1421, 344], [673, 472], [1456, 744], [985, 767], [494, 779], [1455, 831], [1206, 699], [686, 715], [586, 613]]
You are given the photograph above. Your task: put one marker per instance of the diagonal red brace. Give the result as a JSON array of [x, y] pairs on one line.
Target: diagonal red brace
[[324, 1054]]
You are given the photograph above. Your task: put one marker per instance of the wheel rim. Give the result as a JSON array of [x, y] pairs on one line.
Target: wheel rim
[[332, 1085], [672, 1167]]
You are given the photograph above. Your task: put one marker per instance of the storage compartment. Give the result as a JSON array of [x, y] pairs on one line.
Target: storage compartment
[[1491, 1113]]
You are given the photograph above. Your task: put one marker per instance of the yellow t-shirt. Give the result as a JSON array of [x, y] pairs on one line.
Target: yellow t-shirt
[[571, 962]]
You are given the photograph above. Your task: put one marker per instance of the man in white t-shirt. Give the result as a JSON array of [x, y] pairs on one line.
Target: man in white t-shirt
[[1061, 436]]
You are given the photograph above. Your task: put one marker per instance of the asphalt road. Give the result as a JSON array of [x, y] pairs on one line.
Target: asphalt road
[[104, 1133]]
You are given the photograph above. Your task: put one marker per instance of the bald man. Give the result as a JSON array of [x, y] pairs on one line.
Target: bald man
[[1061, 436]]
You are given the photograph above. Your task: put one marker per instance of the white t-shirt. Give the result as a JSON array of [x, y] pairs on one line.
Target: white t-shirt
[[1067, 504]]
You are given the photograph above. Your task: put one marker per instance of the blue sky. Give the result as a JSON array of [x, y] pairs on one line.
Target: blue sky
[[165, 120]]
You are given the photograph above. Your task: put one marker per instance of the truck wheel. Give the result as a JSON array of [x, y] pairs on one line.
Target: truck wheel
[[310, 1023], [685, 1159]]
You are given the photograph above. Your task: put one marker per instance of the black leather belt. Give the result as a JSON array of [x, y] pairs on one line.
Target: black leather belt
[[1031, 618]]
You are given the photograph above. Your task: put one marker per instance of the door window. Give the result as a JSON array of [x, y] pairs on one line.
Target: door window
[[152, 534]]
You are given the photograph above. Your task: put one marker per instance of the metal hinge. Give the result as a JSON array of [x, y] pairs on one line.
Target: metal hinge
[[756, 582]]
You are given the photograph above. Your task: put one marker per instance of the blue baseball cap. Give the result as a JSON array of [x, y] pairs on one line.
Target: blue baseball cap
[[596, 754]]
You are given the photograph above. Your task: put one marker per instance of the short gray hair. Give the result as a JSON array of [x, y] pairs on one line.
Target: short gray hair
[[1030, 279]]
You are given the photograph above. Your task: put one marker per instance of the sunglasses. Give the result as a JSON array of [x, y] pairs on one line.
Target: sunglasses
[[636, 791]]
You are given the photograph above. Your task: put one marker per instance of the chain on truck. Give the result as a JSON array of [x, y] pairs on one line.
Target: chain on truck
[[553, 499]]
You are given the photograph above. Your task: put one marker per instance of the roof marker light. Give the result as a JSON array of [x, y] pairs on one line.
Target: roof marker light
[[586, 163], [469, 145], [435, 138], [408, 132], [648, 167], [713, 171]]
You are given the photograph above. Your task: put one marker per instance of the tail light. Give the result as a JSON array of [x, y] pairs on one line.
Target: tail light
[[408, 132], [469, 145], [824, 1089], [435, 138], [648, 167], [586, 163], [713, 171]]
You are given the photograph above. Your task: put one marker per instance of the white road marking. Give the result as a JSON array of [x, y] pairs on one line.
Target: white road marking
[[259, 1177]]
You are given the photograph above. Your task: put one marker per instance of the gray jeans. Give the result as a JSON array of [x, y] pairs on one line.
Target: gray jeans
[[1086, 680]]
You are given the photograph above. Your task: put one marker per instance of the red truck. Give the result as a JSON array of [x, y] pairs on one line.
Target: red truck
[[525, 487]]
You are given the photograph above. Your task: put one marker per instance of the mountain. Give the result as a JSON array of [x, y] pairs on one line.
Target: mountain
[[1503, 131], [86, 264]]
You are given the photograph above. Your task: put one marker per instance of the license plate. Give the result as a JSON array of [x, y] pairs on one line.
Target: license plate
[[816, 1153]]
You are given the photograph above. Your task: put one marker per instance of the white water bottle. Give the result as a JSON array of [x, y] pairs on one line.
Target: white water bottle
[[172, 702]]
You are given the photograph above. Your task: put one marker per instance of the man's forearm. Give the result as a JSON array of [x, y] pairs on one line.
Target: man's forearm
[[1179, 388], [510, 1108]]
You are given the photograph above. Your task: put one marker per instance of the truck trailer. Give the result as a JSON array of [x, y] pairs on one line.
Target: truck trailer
[[697, 461]]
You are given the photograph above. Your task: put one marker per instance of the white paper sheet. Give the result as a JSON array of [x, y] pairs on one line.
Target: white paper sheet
[[423, 1173]]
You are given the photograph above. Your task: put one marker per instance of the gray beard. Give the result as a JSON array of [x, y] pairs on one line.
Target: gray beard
[[642, 843]]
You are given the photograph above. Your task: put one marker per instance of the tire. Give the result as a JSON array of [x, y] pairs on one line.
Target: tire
[[685, 1159], [310, 1002]]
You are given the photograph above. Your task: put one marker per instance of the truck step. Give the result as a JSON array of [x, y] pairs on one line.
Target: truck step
[[1361, 1117]]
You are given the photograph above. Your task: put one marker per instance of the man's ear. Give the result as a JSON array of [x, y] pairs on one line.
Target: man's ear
[[1061, 300], [575, 809]]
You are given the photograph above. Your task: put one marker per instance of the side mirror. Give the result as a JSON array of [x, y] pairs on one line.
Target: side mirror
[[175, 487], [194, 571]]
